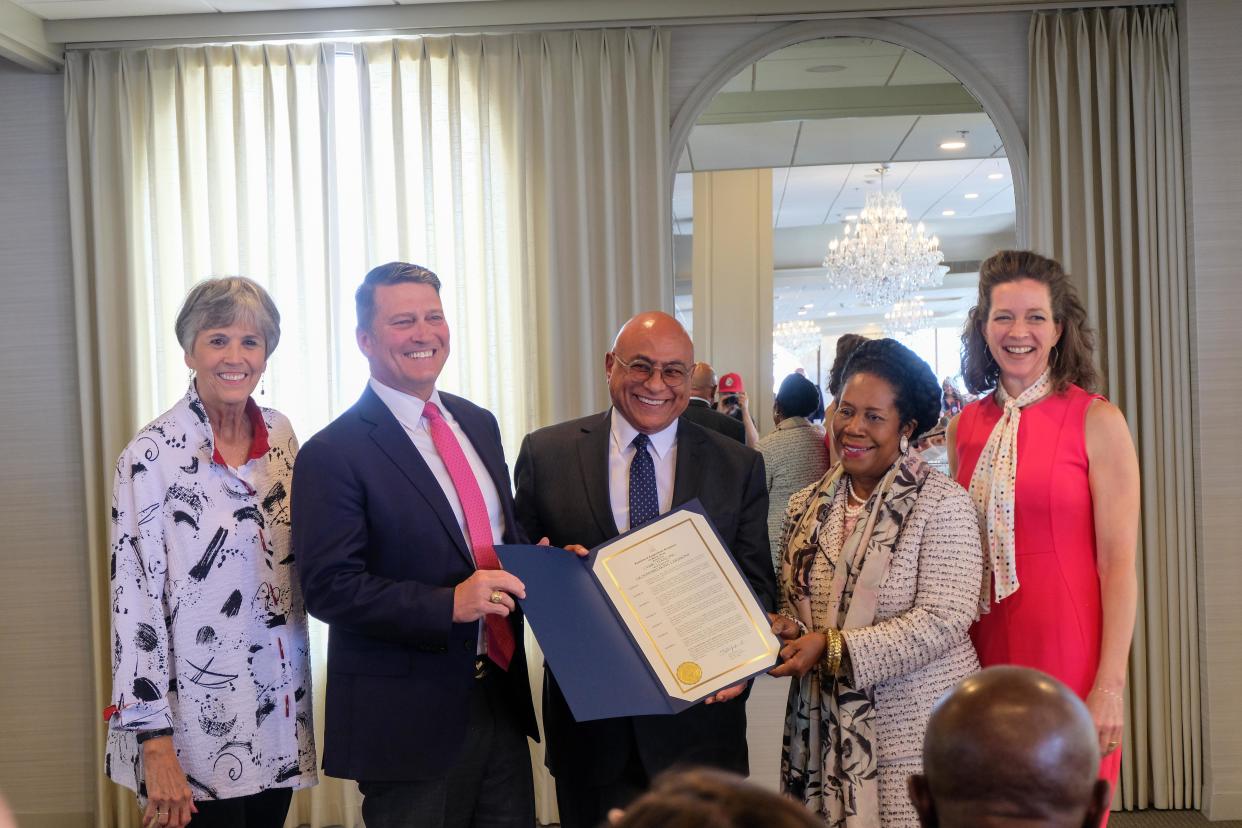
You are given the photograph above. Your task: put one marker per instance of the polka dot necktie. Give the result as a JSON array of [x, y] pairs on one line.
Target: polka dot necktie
[[644, 502]]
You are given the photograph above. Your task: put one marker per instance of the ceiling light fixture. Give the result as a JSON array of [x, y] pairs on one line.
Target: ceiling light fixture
[[882, 258], [825, 68], [971, 195], [996, 176], [852, 217], [948, 212], [798, 336], [907, 316], [956, 143]]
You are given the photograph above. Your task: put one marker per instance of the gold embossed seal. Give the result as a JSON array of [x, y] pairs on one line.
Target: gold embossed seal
[[689, 673]]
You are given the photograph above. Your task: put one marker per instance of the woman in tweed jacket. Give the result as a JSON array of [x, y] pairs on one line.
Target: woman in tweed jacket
[[880, 571]]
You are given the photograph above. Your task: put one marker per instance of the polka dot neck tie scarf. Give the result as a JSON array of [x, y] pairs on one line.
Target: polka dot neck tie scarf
[[500, 641], [992, 489], [644, 502]]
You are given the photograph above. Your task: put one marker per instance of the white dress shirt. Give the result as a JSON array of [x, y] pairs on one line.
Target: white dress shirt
[[408, 410], [663, 449]]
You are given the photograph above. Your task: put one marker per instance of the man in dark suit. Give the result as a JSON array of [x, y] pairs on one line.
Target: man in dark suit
[[702, 396], [585, 481], [397, 506]]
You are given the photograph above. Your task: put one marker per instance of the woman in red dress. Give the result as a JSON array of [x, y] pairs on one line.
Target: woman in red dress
[[1053, 473]]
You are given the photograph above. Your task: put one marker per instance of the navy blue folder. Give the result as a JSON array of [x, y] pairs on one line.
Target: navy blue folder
[[597, 665]]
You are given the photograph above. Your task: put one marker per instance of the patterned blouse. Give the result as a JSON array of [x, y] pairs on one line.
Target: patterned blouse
[[209, 633]]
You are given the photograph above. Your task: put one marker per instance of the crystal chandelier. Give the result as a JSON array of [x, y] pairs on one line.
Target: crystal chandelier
[[798, 336], [907, 316], [882, 259]]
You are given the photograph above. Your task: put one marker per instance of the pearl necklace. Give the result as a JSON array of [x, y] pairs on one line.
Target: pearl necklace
[[850, 509]]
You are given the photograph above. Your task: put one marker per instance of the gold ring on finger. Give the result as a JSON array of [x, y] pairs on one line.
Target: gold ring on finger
[[497, 596]]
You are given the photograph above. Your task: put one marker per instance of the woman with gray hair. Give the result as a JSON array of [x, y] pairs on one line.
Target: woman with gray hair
[[211, 705]]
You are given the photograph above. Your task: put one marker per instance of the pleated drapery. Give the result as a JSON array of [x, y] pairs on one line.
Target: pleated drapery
[[527, 170], [1108, 201]]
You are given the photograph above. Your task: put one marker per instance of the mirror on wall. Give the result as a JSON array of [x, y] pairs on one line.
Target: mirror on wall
[[835, 120]]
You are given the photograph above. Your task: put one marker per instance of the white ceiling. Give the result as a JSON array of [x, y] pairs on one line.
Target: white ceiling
[[80, 9], [823, 169]]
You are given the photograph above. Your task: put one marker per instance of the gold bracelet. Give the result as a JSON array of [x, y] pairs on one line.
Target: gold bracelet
[[832, 656]]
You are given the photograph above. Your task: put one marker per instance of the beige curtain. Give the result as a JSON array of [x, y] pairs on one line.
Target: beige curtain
[[1107, 200], [526, 170]]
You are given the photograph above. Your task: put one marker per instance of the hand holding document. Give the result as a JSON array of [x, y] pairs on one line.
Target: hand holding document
[[651, 622]]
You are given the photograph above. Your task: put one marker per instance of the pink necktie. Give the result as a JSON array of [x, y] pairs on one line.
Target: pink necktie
[[500, 643]]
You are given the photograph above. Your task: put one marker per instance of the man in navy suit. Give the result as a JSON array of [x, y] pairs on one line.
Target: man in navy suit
[[585, 481], [397, 506]]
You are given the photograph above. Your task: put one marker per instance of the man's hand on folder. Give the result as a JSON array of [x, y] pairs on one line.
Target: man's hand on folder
[[727, 694], [578, 549], [486, 592]]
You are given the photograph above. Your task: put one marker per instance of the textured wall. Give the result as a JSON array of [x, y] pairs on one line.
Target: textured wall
[[1212, 110], [45, 761]]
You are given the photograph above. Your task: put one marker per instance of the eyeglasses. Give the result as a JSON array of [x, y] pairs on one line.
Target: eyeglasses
[[641, 370]]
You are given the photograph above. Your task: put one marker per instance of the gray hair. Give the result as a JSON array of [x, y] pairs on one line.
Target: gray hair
[[393, 273], [220, 302]]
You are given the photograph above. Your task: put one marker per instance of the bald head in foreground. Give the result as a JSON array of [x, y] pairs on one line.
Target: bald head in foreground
[[1010, 746]]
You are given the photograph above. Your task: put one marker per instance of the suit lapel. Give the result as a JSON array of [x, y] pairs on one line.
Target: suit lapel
[[593, 458], [691, 458], [391, 438]]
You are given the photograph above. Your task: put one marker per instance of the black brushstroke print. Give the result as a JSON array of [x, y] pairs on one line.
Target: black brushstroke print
[[197, 407], [116, 516], [181, 517], [207, 789], [264, 711], [205, 677], [288, 772], [186, 495], [233, 605], [205, 635], [148, 514], [145, 637], [276, 620], [299, 693], [136, 469], [200, 569], [236, 767], [214, 728], [276, 495], [112, 568], [249, 513], [192, 468], [144, 690]]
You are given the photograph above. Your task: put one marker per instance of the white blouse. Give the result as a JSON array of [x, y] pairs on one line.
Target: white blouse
[[209, 632]]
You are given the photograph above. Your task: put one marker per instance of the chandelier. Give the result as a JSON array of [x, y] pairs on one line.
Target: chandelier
[[882, 259], [798, 336], [907, 316]]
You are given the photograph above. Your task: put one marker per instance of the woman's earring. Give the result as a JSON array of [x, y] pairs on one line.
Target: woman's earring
[[263, 384], [191, 377], [904, 445]]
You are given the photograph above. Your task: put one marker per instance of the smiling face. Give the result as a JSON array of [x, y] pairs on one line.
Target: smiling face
[[1020, 332], [408, 341], [228, 363], [867, 428], [655, 339]]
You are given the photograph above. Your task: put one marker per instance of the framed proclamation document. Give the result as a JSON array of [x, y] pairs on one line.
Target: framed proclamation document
[[651, 622]]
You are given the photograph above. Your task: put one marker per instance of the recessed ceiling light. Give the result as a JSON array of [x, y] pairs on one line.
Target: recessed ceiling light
[[808, 306], [801, 313], [996, 176], [830, 313], [971, 195], [825, 68], [851, 217], [952, 145], [949, 213]]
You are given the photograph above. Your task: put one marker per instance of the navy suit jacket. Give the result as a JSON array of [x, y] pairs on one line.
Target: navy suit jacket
[[562, 492], [379, 552]]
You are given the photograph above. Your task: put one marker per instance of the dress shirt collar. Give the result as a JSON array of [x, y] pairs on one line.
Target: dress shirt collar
[[407, 408], [623, 434]]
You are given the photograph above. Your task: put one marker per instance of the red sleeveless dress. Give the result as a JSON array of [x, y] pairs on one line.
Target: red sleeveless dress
[[1054, 621]]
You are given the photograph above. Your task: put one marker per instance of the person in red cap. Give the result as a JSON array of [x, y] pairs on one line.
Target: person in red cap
[[733, 401]]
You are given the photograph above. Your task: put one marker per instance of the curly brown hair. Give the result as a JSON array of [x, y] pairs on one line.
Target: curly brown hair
[[1071, 359]]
